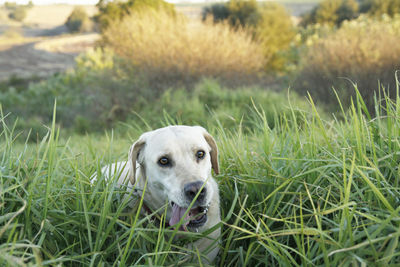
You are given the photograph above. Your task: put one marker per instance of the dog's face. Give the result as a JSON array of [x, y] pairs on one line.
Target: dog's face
[[176, 162]]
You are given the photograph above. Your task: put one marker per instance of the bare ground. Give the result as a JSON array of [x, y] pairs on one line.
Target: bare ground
[[42, 58], [40, 45]]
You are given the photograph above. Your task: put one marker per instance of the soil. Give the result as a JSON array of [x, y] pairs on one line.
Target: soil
[[41, 45]]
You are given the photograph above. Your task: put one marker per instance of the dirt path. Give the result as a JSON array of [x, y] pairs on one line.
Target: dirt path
[[42, 58], [25, 61]]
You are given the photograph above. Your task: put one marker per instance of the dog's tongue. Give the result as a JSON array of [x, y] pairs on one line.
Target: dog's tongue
[[177, 214]]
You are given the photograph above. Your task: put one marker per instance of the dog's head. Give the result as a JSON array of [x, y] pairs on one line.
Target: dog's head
[[176, 162]]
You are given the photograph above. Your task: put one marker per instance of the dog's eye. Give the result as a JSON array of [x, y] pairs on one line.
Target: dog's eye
[[200, 154], [164, 161]]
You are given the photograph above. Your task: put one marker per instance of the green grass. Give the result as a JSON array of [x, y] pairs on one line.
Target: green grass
[[309, 192]]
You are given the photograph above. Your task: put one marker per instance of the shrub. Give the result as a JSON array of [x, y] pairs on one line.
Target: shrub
[[363, 51], [226, 106], [275, 32], [379, 7], [270, 25], [243, 13], [219, 12], [168, 51], [92, 92], [18, 14], [100, 92], [332, 12], [10, 5], [78, 21], [111, 11]]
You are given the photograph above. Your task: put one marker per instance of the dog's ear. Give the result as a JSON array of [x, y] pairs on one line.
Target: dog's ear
[[133, 155], [214, 149]]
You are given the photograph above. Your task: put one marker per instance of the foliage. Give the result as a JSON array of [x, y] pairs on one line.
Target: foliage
[[239, 13], [168, 51], [219, 12], [275, 32], [228, 106], [18, 13], [332, 12], [270, 25], [113, 11], [321, 193], [101, 91], [10, 5], [243, 13], [363, 51], [378, 8], [78, 21]]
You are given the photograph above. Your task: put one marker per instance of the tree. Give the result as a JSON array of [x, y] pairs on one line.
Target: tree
[[379, 7], [219, 12], [78, 20], [275, 32], [332, 12], [243, 12], [115, 10], [18, 14]]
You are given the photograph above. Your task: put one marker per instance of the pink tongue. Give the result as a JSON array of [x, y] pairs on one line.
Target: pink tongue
[[177, 214]]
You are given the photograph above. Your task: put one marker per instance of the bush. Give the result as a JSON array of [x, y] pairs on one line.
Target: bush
[[114, 11], [78, 21], [226, 106], [100, 92], [270, 25], [364, 51], [92, 91], [218, 12], [243, 13], [275, 32], [378, 8], [167, 51], [18, 14], [332, 12]]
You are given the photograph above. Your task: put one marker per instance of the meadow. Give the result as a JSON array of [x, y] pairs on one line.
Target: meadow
[[308, 191], [306, 122]]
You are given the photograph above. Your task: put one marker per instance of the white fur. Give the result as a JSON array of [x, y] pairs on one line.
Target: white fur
[[164, 185]]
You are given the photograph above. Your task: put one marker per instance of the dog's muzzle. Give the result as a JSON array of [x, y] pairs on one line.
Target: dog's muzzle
[[197, 216]]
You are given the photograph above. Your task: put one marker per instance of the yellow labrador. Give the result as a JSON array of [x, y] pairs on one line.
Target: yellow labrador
[[176, 162]]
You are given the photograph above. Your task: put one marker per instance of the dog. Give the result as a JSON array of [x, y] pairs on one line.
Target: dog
[[173, 165]]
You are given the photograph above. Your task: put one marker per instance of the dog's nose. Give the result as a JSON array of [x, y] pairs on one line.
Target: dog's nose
[[192, 189]]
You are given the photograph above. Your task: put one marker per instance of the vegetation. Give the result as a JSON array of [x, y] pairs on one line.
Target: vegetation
[[16, 12], [167, 51], [219, 12], [316, 193], [378, 8], [332, 12], [79, 21], [243, 13], [112, 11], [363, 51], [275, 32], [239, 13], [298, 187], [270, 25], [99, 93]]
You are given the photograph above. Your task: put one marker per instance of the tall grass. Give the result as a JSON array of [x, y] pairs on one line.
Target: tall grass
[[323, 192], [170, 50], [362, 51]]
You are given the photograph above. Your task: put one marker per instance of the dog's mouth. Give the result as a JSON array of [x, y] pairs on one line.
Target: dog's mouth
[[195, 218]]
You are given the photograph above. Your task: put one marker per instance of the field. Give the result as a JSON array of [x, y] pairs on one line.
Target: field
[[307, 192], [308, 148]]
